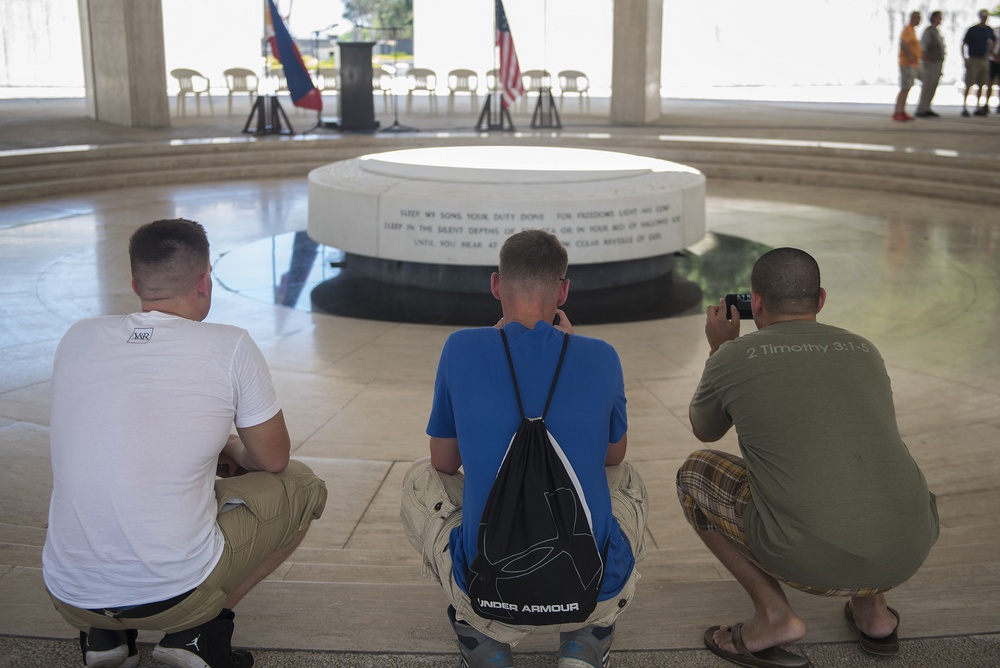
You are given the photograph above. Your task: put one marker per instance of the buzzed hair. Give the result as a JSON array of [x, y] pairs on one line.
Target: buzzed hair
[[168, 257], [936, 15], [532, 260], [787, 280]]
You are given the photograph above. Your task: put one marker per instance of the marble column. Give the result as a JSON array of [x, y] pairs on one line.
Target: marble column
[[635, 70], [124, 63]]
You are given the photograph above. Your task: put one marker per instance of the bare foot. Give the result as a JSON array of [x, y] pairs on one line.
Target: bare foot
[[758, 634], [872, 616]]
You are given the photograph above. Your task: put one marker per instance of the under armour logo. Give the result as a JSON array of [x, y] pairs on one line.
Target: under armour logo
[[194, 643]]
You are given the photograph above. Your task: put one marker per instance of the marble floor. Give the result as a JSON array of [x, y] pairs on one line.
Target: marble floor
[[918, 276]]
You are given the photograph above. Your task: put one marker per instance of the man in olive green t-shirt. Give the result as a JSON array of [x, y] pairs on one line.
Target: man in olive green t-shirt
[[826, 497]]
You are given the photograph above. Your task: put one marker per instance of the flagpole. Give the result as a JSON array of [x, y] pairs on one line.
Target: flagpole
[[494, 116], [266, 107], [496, 52], [545, 115]]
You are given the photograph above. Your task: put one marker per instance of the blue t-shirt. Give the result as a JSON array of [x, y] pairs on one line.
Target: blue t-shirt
[[474, 402], [977, 39]]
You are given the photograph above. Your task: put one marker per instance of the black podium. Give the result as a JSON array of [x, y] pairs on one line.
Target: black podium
[[357, 106]]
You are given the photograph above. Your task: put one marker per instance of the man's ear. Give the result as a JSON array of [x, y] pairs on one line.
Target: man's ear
[[204, 290], [495, 285], [822, 300], [135, 288], [563, 291], [756, 303]]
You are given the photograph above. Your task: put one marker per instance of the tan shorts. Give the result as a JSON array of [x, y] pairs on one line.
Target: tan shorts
[[432, 507], [977, 72], [276, 507]]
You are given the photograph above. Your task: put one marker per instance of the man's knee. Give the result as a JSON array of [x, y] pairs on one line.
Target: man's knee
[[693, 465], [306, 492], [629, 504], [285, 502], [429, 498], [430, 508]]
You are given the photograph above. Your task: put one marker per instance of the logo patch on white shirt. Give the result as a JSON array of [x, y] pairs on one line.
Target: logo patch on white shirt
[[141, 335]]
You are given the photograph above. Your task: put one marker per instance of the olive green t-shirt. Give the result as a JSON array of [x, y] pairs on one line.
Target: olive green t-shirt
[[838, 501]]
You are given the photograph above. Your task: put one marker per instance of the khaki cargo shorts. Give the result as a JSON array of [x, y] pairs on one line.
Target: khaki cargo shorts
[[432, 508], [260, 513]]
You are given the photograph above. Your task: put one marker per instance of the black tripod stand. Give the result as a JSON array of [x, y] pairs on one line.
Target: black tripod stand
[[269, 115], [267, 109], [545, 115], [494, 114]]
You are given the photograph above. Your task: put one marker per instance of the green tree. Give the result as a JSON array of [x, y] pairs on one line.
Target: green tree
[[381, 14]]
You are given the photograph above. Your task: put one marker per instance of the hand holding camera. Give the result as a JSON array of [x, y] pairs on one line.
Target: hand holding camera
[[723, 322], [742, 304]]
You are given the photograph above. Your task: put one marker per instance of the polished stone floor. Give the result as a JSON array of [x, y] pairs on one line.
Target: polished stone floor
[[918, 276]]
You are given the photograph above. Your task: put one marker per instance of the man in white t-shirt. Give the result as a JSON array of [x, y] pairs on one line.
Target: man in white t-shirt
[[160, 519]]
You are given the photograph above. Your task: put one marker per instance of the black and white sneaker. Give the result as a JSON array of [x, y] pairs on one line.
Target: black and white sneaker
[[206, 646], [102, 648]]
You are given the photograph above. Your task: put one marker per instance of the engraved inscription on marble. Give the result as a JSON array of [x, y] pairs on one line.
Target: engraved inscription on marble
[[452, 206], [637, 229]]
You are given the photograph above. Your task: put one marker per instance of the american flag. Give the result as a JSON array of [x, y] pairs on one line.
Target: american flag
[[510, 71]]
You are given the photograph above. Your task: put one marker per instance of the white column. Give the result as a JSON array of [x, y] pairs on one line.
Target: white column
[[123, 61], [635, 70]]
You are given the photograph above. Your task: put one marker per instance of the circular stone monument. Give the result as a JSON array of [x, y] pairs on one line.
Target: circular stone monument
[[435, 218]]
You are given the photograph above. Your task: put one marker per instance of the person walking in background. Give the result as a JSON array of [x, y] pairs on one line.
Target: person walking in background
[[931, 62], [976, 47], [909, 60], [994, 70]]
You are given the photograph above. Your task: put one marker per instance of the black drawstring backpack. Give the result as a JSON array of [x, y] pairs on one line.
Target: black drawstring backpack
[[537, 561]]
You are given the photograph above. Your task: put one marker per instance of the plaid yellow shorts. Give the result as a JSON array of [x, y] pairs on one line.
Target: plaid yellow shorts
[[714, 492]]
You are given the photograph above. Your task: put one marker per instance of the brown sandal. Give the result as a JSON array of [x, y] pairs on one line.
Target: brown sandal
[[772, 657], [887, 646]]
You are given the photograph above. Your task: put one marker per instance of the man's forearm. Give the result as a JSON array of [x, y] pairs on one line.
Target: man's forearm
[[235, 450]]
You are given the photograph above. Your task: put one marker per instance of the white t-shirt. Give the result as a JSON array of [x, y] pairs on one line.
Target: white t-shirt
[[142, 405]]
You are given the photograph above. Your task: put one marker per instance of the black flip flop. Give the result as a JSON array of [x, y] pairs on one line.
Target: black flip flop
[[887, 646], [772, 657]]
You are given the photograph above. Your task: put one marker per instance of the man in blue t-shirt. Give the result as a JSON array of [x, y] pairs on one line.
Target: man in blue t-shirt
[[475, 414], [976, 46]]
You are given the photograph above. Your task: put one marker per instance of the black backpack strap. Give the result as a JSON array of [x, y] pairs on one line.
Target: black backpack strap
[[552, 389], [510, 363]]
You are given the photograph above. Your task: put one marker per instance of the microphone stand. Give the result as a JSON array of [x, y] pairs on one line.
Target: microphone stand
[[395, 127], [320, 123]]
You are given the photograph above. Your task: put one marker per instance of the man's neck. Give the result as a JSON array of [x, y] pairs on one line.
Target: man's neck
[[528, 314], [768, 320], [169, 307]]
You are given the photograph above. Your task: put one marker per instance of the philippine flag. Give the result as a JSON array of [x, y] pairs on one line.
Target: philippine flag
[[300, 85]]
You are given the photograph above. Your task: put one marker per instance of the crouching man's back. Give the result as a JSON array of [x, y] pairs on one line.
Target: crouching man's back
[[474, 415], [159, 518]]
